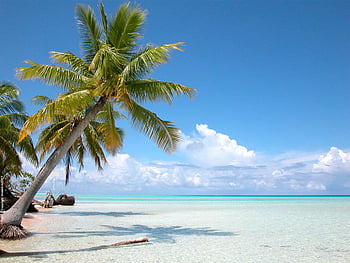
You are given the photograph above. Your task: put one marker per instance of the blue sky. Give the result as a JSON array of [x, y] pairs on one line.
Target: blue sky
[[271, 115]]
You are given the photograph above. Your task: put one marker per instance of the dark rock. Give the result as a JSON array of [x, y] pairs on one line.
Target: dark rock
[[49, 201], [65, 200]]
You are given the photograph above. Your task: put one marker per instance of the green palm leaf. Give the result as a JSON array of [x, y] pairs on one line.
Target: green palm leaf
[[90, 32], [41, 100], [8, 98], [147, 59], [73, 61], [112, 136], [155, 90], [53, 75], [124, 29], [66, 104], [104, 20], [16, 118], [48, 138], [93, 145], [8, 152], [107, 62], [163, 133]]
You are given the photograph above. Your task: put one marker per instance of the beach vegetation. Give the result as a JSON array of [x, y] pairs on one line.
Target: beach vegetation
[[12, 117], [112, 75]]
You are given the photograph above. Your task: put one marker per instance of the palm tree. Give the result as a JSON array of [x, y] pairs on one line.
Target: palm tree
[[113, 70], [11, 118], [93, 137]]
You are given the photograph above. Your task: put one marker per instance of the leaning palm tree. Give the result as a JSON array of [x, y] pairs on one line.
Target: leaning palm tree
[[113, 70], [11, 119]]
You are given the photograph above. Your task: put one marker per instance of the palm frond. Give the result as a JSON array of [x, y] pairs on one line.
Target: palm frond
[[53, 75], [112, 136], [10, 134], [27, 148], [107, 61], [66, 104], [125, 27], [104, 19], [41, 100], [147, 59], [71, 60], [163, 133], [90, 32], [80, 153], [93, 145], [47, 139], [102, 116], [9, 89], [8, 130], [155, 90], [110, 88], [9, 153], [8, 98], [17, 119], [7, 107]]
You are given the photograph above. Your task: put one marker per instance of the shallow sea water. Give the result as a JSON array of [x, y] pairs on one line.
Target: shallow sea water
[[189, 229]]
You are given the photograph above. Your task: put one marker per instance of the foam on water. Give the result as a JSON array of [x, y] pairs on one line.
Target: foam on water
[[190, 229]]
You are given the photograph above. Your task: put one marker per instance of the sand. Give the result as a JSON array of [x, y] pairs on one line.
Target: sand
[[189, 231]]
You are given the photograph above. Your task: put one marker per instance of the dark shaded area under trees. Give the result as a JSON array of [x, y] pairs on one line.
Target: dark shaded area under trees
[[8, 200]]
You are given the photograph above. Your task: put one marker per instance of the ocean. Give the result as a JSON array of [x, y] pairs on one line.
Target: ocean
[[189, 229]]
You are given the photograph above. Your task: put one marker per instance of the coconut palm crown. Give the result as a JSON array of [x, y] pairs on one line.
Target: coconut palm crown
[[113, 70]]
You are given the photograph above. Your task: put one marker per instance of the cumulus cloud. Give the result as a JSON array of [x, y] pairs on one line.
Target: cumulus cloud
[[335, 167], [209, 148], [334, 161], [216, 165]]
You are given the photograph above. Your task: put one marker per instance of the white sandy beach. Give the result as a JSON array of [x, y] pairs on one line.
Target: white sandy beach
[[189, 231]]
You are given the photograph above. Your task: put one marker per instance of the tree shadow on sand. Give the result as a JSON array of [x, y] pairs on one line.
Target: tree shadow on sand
[[166, 234], [155, 234]]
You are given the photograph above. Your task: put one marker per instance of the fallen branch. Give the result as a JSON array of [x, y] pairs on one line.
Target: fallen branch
[[4, 253], [142, 240]]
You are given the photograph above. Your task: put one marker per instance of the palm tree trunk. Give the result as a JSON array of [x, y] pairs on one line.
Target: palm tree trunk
[[15, 214]]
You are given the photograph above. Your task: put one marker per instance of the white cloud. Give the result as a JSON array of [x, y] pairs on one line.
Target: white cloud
[[217, 165], [209, 148], [315, 186], [334, 160]]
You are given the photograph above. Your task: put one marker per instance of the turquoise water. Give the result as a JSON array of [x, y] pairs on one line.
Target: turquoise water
[[191, 229], [221, 198]]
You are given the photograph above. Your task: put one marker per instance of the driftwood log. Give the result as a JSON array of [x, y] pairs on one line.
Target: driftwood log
[[4, 253]]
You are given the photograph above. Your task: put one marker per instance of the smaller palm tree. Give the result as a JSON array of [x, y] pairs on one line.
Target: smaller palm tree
[[11, 119], [99, 136]]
